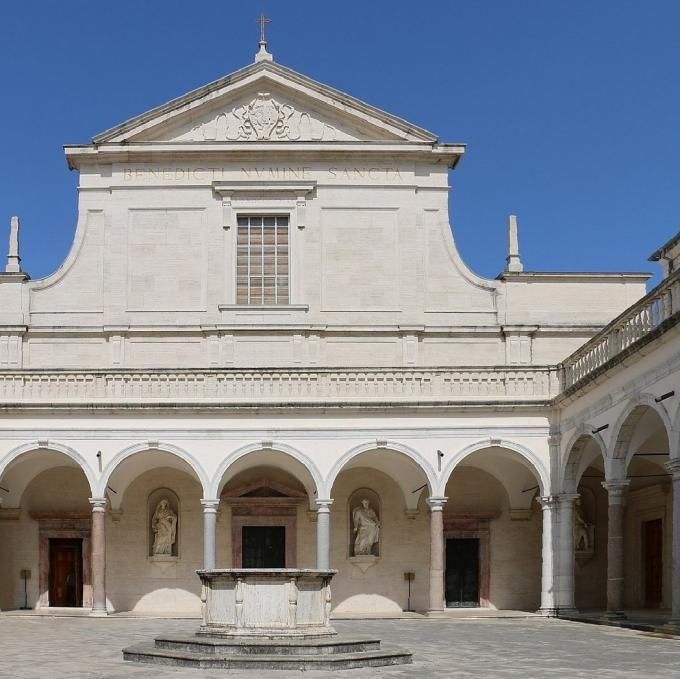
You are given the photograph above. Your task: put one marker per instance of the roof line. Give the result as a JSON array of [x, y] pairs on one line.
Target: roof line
[[243, 73]]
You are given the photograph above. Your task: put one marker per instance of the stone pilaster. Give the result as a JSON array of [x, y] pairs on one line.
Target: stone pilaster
[[436, 598], [616, 491], [549, 504], [674, 468], [98, 560], [209, 530], [323, 534]]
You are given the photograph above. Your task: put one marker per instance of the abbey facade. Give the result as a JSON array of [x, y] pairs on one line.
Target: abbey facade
[[264, 350]]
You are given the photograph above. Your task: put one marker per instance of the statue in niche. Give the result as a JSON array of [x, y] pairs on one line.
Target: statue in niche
[[582, 528], [164, 527], [366, 528]]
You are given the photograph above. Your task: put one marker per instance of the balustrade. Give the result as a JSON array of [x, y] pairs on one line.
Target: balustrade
[[632, 325]]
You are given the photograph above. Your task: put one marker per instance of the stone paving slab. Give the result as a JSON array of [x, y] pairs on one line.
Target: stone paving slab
[[532, 648]]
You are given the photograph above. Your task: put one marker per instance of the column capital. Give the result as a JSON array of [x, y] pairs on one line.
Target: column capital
[[547, 502], [673, 466], [554, 439], [436, 503], [98, 504], [210, 506], [323, 505], [616, 488]]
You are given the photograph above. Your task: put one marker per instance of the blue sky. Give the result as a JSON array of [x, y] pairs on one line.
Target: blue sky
[[569, 109]]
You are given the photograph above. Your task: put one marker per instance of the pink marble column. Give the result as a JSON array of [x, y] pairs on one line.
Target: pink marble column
[[98, 555], [437, 603], [616, 494]]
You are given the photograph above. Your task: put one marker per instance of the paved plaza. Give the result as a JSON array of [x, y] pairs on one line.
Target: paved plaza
[[41, 647]]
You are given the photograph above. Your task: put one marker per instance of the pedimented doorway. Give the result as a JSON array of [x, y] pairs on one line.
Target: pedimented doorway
[[264, 524]]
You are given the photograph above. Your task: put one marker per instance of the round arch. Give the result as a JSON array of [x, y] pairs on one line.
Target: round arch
[[623, 431], [13, 456], [151, 446], [413, 455], [529, 458], [575, 461], [314, 490]]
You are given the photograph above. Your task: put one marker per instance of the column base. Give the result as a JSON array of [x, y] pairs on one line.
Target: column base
[[567, 611], [98, 613], [614, 615], [672, 626], [548, 612]]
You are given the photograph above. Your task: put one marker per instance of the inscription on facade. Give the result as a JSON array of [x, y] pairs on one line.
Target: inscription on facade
[[286, 173]]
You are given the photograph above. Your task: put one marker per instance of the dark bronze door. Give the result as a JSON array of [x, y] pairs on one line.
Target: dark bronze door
[[66, 573], [652, 546], [462, 572], [263, 546]]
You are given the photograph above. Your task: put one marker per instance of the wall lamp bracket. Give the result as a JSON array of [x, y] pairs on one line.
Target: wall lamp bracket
[[663, 397], [597, 430]]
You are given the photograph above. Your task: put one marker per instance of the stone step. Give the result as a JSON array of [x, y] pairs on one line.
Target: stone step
[[148, 653], [231, 646]]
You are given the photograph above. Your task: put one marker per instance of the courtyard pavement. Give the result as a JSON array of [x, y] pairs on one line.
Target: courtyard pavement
[[531, 648]]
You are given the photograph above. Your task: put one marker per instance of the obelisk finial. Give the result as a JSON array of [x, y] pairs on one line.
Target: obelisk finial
[[13, 259], [514, 263], [263, 55]]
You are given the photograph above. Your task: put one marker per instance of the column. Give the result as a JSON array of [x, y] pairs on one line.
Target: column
[[674, 468], [616, 495], [98, 560], [565, 601], [323, 534], [548, 599], [436, 554], [209, 529]]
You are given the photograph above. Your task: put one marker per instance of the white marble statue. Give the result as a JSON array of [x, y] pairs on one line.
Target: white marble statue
[[581, 532], [164, 526], [366, 528]]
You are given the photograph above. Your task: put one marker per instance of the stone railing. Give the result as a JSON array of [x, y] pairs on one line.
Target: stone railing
[[278, 386], [662, 303]]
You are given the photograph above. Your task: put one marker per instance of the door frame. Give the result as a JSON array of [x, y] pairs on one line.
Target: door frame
[[457, 526], [79, 565], [56, 525]]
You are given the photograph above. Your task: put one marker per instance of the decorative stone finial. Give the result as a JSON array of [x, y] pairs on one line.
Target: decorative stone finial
[[514, 263], [13, 259], [263, 55]]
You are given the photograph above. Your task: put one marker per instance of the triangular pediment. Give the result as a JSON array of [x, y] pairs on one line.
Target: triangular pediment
[[265, 102]]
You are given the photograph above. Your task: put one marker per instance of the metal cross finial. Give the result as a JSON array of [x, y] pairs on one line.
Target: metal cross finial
[[263, 20]]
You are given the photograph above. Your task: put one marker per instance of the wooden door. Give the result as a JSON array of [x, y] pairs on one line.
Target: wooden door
[[652, 555], [66, 572], [462, 572], [263, 546]]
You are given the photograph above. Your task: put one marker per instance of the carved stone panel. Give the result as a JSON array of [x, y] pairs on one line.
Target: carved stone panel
[[264, 118]]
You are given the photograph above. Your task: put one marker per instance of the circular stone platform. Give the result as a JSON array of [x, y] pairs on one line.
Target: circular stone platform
[[204, 652]]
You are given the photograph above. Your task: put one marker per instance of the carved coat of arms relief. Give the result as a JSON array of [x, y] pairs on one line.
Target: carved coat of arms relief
[[264, 119]]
